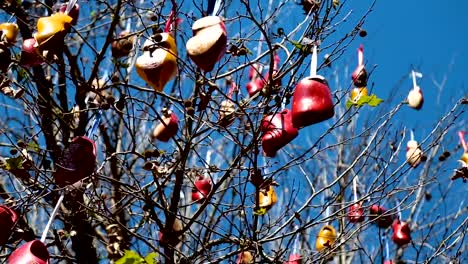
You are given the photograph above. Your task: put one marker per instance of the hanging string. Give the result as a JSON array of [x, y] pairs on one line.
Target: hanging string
[[233, 88], [182, 201], [387, 251], [259, 45], [355, 189], [92, 134], [416, 75], [361, 55], [295, 250], [416, 214], [276, 62], [327, 211], [313, 62], [283, 103], [52, 217], [327, 214], [70, 6], [255, 71], [265, 166], [128, 26], [398, 208], [139, 21], [461, 134], [208, 159], [209, 153], [131, 60], [412, 134], [171, 22], [216, 7], [326, 198]]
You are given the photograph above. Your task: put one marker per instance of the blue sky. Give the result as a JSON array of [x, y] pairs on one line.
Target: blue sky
[[430, 35]]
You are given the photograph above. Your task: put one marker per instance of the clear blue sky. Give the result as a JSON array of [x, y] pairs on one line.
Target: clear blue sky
[[430, 35]]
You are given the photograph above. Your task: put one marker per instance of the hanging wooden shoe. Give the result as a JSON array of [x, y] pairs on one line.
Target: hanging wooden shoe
[[356, 213], [29, 55], [256, 83], [401, 233], [312, 102], [359, 75], [32, 252], [8, 219], [357, 93], [312, 99], [464, 157], [51, 31], [74, 13], [227, 108], [7, 90], [380, 215], [158, 63], [245, 257], [267, 197], [123, 45], [9, 32], [326, 238], [415, 96], [309, 5], [208, 44], [294, 259], [276, 62], [226, 113], [168, 128], [171, 238], [77, 162], [278, 131], [414, 154], [463, 171], [202, 187]]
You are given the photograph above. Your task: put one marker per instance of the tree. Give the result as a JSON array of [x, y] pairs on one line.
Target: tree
[[218, 190]]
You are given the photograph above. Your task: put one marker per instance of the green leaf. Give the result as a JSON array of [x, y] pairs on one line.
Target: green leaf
[[151, 258], [349, 103], [130, 257], [374, 100], [14, 163], [298, 45], [260, 211], [371, 100], [33, 146]]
